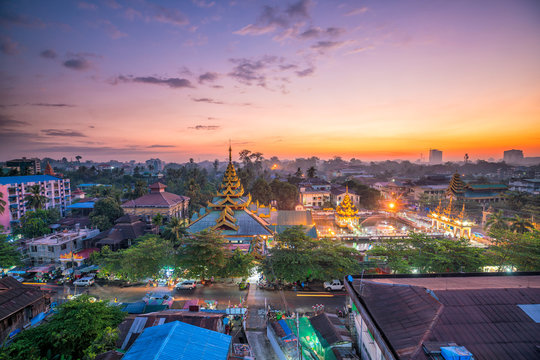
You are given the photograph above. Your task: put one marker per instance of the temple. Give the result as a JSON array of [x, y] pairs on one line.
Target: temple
[[229, 212], [444, 219], [346, 212], [480, 193]]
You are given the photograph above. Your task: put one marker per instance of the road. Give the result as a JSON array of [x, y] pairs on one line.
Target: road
[[224, 293]]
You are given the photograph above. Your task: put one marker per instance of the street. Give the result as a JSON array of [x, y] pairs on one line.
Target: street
[[224, 293]]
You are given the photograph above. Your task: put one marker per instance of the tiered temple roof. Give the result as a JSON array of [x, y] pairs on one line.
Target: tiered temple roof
[[346, 212], [457, 187], [228, 211]]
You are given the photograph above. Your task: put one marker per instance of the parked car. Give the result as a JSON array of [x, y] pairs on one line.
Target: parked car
[[158, 298], [85, 281], [186, 285], [334, 285]]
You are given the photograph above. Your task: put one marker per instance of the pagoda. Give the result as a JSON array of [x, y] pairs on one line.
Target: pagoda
[[457, 187], [446, 220], [49, 170], [346, 212], [228, 213]]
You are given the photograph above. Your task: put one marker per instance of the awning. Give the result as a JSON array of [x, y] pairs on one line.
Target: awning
[[41, 269]]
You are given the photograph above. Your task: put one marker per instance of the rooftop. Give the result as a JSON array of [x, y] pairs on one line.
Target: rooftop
[[15, 296], [62, 237], [6, 180], [156, 199]]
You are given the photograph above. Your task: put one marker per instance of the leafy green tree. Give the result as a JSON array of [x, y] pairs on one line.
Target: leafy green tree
[[145, 259], [174, 231], [157, 221], [80, 330], [141, 188], [520, 225], [9, 256], [238, 264], [202, 255], [105, 212], [298, 173], [285, 194], [110, 262], [36, 223], [34, 199], [497, 221], [513, 249], [261, 191]]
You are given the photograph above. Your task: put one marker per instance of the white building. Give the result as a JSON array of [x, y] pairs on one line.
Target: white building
[[15, 188], [531, 186], [48, 249]]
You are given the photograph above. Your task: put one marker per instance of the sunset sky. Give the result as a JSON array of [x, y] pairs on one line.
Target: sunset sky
[[372, 80]]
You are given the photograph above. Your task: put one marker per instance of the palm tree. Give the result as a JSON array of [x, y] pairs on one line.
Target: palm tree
[[2, 203], [175, 230], [520, 225], [311, 172], [157, 220], [34, 199]]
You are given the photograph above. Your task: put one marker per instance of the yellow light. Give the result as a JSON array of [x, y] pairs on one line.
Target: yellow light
[[274, 167], [391, 205]]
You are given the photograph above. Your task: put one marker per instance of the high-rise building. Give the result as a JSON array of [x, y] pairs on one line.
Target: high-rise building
[[435, 156], [15, 189], [25, 166], [513, 156]]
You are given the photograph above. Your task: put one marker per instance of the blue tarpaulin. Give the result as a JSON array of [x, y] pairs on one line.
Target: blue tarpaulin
[[285, 328]]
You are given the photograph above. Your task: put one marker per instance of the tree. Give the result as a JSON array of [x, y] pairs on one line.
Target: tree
[[2, 203], [298, 257], [174, 231], [238, 264], [80, 330], [497, 221], [36, 223], [105, 212], [202, 255], [261, 191], [9, 256], [513, 249], [520, 225], [34, 199], [298, 173], [146, 259], [78, 157], [157, 221], [141, 188], [311, 172], [285, 194]]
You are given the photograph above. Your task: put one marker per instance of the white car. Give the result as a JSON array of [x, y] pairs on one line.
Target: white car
[[334, 285], [85, 281], [186, 285]]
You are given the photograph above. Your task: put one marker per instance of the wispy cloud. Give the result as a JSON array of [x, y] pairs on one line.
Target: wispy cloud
[[161, 146], [175, 83], [205, 127], [168, 16], [52, 105], [77, 64], [62, 132], [8, 46], [208, 76], [316, 32], [249, 71], [13, 19], [86, 6], [48, 54], [110, 29], [356, 11], [323, 46], [7, 121], [203, 3], [208, 100], [306, 72], [273, 18]]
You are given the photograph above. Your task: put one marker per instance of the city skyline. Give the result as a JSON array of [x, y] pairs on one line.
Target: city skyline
[[116, 80]]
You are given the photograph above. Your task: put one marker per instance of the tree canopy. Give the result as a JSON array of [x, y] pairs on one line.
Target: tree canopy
[[9, 256], [36, 223], [80, 330], [105, 212]]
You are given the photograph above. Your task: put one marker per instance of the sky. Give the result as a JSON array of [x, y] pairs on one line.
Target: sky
[[372, 80]]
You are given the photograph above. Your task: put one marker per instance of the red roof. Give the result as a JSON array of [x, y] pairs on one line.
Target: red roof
[[86, 252], [156, 199]]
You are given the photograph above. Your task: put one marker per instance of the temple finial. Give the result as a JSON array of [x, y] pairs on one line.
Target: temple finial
[[230, 151], [347, 188]]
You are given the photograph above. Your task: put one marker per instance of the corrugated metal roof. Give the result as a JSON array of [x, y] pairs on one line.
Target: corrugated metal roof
[[26, 179], [177, 340], [248, 225]]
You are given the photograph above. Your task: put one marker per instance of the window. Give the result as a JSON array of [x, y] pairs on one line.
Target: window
[[33, 248], [50, 248], [63, 247]]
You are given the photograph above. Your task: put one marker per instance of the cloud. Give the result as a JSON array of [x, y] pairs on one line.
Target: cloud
[[161, 146], [305, 72], [7, 121], [273, 18], [77, 64], [91, 126], [287, 67], [208, 76], [175, 83], [359, 50], [203, 3], [248, 71], [205, 127], [315, 32], [208, 100], [9, 19], [8, 46], [110, 29], [113, 4], [322, 46], [61, 132], [86, 6], [52, 105], [169, 16], [357, 11], [48, 54]]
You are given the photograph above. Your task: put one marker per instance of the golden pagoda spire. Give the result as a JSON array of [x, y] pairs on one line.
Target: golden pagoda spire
[[346, 212], [230, 151], [438, 209], [462, 213], [230, 190]]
